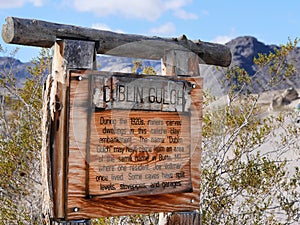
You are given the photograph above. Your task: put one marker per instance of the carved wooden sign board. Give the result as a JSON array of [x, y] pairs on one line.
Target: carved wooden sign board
[[134, 144]]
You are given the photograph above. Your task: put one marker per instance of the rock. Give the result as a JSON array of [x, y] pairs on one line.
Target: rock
[[290, 94], [281, 100]]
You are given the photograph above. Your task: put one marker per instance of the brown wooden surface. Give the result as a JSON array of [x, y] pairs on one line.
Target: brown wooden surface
[[184, 218], [79, 206], [44, 34], [167, 167], [153, 147], [46, 169], [55, 116], [74, 203], [58, 149]]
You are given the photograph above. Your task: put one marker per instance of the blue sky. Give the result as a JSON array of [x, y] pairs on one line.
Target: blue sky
[[271, 22]]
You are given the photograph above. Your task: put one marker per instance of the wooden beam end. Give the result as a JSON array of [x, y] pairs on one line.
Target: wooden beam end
[[8, 30]]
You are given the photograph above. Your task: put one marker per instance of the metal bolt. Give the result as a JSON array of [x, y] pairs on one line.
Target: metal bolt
[[194, 85], [192, 200], [79, 78], [75, 209]]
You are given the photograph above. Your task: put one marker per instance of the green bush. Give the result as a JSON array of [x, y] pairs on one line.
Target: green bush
[[20, 144]]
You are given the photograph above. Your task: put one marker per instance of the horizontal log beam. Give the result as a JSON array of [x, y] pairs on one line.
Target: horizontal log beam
[[44, 34]]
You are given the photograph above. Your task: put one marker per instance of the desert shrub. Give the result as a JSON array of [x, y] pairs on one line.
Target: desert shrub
[[20, 143], [250, 174]]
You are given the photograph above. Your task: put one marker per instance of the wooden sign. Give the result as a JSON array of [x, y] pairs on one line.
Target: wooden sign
[[134, 144], [139, 141]]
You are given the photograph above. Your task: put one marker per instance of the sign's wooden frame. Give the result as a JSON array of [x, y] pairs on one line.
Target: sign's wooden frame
[[80, 206]]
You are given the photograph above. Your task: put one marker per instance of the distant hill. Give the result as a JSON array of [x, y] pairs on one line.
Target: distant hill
[[243, 50], [9, 65]]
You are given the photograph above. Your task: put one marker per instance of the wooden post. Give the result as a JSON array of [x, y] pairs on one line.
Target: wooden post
[[47, 191], [184, 218], [68, 54], [174, 63], [180, 62]]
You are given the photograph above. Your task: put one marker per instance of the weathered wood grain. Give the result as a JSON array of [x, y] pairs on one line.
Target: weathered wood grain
[[44, 34], [58, 102], [184, 218], [55, 116], [80, 205], [46, 169], [167, 168]]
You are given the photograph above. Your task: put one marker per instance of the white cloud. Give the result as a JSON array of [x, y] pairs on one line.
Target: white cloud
[[182, 14], [102, 26], [175, 4], [150, 10], [223, 39], [177, 7], [11, 4], [37, 2], [19, 3], [165, 29]]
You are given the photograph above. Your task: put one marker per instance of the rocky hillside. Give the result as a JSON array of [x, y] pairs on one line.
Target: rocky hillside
[[243, 49], [9, 65]]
